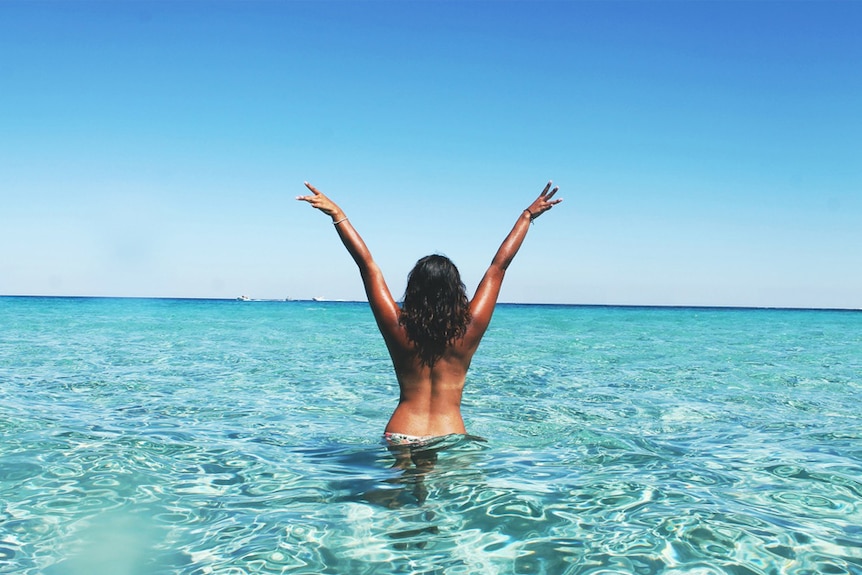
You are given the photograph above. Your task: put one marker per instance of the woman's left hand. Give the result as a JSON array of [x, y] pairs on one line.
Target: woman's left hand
[[319, 201]]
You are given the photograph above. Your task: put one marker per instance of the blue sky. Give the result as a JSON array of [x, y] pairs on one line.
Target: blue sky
[[708, 152]]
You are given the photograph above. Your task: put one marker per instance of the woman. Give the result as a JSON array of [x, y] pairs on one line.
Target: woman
[[432, 337]]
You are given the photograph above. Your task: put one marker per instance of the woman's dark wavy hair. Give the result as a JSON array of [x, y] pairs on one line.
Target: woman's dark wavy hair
[[435, 311]]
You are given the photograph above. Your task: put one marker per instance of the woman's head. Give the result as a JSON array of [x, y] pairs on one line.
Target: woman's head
[[435, 311]]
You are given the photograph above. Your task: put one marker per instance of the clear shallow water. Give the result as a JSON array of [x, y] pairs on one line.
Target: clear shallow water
[[197, 437]]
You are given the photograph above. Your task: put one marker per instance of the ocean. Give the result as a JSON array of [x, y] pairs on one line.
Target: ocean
[[195, 437]]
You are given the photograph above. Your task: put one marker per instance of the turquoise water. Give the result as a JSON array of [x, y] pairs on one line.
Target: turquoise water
[[198, 437]]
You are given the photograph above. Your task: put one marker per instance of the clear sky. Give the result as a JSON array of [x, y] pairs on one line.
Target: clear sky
[[709, 153]]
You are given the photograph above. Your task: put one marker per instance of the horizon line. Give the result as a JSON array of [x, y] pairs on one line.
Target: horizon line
[[503, 303]]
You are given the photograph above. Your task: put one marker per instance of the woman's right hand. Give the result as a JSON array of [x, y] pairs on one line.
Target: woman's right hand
[[544, 202], [319, 201]]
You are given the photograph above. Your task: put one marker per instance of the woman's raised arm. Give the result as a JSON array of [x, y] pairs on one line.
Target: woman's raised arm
[[485, 298], [379, 297]]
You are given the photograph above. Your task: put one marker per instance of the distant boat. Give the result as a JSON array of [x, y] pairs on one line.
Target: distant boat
[[243, 298], [317, 299]]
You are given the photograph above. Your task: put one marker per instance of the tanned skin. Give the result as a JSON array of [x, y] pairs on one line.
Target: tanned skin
[[430, 397]]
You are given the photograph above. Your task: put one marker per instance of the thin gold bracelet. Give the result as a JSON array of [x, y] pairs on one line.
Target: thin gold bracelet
[[339, 221]]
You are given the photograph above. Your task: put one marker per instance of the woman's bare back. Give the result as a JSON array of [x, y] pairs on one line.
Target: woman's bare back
[[430, 396]]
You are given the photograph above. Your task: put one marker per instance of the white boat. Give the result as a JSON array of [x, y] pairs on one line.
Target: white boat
[[243, 298]]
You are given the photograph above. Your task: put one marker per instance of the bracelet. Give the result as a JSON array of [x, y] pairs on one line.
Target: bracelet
[[532, 215], [339, 221]]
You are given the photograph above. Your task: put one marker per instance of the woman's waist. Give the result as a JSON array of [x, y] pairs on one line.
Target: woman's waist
[[431, 407], [420, 420]]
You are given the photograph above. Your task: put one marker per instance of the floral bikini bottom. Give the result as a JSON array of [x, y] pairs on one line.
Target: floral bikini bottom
[[408, 440]]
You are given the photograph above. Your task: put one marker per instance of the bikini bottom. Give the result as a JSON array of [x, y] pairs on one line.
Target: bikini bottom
[[403, 439]]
